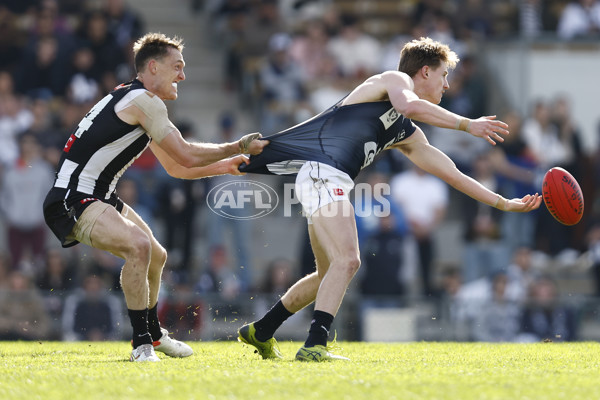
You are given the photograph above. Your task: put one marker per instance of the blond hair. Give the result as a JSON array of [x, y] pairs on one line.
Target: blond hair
[[153, 45], [425, 51]]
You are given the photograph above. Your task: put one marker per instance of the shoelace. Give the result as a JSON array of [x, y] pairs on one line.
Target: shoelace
[[332, 346]]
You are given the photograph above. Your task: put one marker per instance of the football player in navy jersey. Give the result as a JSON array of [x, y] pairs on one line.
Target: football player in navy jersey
[[328, 151], [82, 205]]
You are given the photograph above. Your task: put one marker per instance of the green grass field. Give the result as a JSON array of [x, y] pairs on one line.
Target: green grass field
[[230, 370]]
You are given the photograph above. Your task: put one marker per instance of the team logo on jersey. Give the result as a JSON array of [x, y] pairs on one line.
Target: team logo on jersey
[[389, 117], [69, 143], [338, 191], [242, 199]]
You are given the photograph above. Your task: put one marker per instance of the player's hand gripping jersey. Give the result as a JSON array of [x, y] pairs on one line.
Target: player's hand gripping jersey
[[345, 137]]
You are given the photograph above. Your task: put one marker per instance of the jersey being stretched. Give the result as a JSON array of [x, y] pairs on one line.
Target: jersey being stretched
[[345, 137], [103, 146]]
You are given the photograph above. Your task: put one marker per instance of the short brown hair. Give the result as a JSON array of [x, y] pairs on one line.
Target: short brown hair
[[153, 45], [425, 51]]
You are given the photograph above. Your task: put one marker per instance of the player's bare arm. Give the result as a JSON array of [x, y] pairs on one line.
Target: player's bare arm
[[420, 103], [435, 162], [150, 112], [227, 166]]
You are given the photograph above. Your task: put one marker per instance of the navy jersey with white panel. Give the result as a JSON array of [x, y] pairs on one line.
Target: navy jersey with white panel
[[345, 137]]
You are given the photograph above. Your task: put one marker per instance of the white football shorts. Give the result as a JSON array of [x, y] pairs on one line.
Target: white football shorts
[[319, 184]]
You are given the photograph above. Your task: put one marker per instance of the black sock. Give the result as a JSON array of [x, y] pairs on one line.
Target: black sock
[[319, 329], [139, 322], [153, 323], [267, 325]]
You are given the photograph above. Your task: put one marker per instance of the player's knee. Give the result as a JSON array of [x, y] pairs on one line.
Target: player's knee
[[354, 263], [159, 256], [349, 263], [139, 248]]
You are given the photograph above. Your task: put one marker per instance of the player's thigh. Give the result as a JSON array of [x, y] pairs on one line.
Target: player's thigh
[[115, 234], [129, 214], [334, 227]]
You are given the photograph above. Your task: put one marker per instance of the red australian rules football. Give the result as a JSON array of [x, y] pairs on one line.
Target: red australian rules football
[[562, 196]]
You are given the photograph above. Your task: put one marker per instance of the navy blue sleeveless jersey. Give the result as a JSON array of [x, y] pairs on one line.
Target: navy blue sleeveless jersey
[[345, 137]]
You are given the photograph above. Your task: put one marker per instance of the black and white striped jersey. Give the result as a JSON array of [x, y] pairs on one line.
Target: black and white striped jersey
[[97, 154]]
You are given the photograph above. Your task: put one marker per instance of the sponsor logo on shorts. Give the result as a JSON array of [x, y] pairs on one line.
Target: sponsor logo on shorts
[[338, 191]]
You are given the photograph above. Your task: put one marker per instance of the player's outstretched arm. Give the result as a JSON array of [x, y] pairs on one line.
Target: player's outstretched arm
[[527, 203], [176, 170], [400, 90], [192, 155], [434, 161]]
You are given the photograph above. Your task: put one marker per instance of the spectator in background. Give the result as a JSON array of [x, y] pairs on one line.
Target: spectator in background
[[239, 227], [516, 167], [45, 58], [282, 85], [484, 250], [279, 276], [92, 313], [11, 38], [22, 312], [219, 280], [544, 317], [593, 250], [423, 199], [43, 117], [249, 31], [476, 19], [309, 50], [551, 147], [520, 274], [375, 202], [53, 139], [57, 275], [383, 262], [127, 191], [24, 187], [561, 117], [108, 55], [178, 202], [15, 118], [580, 18], [453, 308], [125, 24], [264, 21], [83, 86], [357, 53], [498, 318], [181, 309]]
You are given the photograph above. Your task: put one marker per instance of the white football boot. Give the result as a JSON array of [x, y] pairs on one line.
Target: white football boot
[[172, 347], [144, 352]]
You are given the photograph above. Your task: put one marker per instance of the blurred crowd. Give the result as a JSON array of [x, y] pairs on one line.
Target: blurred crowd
[[286, 61]]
